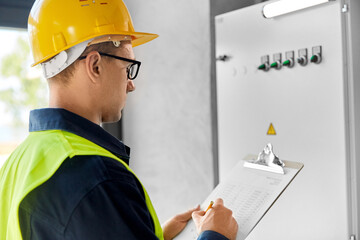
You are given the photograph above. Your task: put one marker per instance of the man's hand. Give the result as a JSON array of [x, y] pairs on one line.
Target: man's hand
[[175, 225], [218, 219]]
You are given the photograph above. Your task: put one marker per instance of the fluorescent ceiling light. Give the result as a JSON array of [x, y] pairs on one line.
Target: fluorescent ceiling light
[[287, 6]]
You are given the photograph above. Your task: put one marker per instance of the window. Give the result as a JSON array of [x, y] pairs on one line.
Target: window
[[22, 88]]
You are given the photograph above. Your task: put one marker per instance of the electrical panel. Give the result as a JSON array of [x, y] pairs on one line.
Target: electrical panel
[[282, 81]]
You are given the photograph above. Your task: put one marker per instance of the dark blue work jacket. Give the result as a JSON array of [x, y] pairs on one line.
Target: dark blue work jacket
[[89, 197]]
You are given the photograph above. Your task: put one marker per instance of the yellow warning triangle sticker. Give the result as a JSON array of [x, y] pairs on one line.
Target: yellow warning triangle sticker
[[271, 130]]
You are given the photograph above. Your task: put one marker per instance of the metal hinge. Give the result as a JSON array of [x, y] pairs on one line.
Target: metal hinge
[[352, 237], [345, 8], [223, 58]]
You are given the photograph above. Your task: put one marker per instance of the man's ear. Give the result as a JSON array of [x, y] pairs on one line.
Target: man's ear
[[93, 65]]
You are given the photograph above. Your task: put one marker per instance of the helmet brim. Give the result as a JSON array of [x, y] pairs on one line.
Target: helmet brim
[[138, 38]]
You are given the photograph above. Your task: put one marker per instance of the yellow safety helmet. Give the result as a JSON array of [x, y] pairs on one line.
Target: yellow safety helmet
[[57, 25]]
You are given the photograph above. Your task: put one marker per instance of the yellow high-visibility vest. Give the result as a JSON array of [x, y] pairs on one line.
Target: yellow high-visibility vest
[[33, 163]]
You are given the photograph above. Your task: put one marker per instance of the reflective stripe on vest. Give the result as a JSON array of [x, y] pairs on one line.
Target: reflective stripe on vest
[[33, 163]]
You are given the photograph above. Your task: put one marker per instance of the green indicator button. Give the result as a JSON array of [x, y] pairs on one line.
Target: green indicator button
[[262, 66], [314, 58], [287, 62], [275, 64]]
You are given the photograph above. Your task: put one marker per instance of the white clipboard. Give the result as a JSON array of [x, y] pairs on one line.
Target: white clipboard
[[249, 192]]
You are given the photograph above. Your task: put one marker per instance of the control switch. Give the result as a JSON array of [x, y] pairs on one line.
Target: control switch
[[303, 57], [316, 55], [277, 61], [289, 62], [265, 66]]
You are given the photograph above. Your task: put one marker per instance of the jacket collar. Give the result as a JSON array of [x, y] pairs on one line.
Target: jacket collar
[[62, 119]]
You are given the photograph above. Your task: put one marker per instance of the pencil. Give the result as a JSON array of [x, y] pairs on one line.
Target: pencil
[[210, 206]]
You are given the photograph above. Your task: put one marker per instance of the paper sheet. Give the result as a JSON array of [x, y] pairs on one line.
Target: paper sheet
[[249, 193]]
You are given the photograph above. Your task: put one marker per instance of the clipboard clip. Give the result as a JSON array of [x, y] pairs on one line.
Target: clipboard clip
[[267, 161]]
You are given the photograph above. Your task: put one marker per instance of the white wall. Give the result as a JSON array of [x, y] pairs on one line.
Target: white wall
[[167, 120]]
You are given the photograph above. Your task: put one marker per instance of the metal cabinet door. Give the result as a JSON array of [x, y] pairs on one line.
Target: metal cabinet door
[[305, 104]]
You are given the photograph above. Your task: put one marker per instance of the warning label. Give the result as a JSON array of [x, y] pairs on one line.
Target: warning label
[[271, 130]]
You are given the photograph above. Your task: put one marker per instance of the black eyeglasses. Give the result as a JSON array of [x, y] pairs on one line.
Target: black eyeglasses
[[132, 70]]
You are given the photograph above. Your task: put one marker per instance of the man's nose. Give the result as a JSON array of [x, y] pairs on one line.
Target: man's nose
[[130, 86]]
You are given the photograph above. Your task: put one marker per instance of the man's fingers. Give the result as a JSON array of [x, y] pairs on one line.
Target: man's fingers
[[196, 215], [199, 213], [197, 208], [186, 216], [218, 201]]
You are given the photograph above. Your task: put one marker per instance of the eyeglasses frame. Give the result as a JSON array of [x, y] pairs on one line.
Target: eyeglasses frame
[[134, 62]]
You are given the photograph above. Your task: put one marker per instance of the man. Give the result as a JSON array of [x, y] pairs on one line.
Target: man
[[70, 179]]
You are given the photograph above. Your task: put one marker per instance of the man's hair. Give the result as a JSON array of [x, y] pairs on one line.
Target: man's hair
[[67, 73]]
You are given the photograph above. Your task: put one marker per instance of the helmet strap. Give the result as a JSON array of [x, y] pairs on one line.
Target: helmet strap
[[64, 59]]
